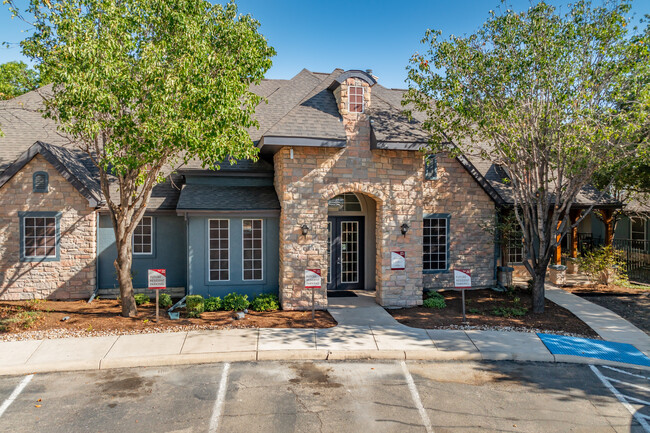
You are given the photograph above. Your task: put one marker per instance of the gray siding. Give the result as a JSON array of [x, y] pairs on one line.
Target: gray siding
[[169, 252], [199, 283]]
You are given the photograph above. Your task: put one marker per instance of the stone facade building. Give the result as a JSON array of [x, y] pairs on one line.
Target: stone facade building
[[343, 187]]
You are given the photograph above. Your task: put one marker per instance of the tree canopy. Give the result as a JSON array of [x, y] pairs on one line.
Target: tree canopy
[[538, 93], [144, 85], [17, 78]]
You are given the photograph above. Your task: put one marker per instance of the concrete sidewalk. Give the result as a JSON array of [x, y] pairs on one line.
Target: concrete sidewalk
[[365, 331]]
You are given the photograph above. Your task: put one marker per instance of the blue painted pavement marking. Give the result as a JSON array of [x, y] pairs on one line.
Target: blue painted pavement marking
[[599, 349]]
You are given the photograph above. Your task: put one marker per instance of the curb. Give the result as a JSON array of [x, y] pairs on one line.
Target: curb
[[298, 355]]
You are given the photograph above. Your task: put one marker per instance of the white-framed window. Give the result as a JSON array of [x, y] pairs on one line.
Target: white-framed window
[[143, 237], [355, 99], [436, 243], [516, 249], [253, 243], [39, 237], [638, 229], [219, 249], [346, 202]]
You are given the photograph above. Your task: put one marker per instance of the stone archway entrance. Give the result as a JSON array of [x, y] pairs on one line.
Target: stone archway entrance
[[351, 243]]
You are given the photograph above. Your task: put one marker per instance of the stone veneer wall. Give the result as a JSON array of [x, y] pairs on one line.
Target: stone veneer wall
[[456, 193], [73, 276], [395, 180]]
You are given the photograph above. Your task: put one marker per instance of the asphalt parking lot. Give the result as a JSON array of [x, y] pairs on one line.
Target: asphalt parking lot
[[362, 396]]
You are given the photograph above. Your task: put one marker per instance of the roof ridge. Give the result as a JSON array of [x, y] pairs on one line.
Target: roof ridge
[[297, 103]]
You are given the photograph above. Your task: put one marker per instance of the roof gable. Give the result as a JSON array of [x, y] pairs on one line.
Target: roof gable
[[68, 165]]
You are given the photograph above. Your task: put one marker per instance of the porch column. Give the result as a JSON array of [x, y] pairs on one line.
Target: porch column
[[608, 219], [558, 248], [572, 265]]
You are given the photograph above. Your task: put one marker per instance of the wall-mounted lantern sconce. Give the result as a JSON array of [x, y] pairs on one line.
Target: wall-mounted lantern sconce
[[405, 228], [305, 229]]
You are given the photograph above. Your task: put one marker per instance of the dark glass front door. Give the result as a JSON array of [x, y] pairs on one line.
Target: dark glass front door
[[345, 251]]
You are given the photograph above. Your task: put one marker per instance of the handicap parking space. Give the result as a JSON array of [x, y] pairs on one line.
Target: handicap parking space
[[631, 387]]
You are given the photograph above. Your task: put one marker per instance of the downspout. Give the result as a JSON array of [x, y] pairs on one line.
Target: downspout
[[96, 290], [187, 255], [497, 249]]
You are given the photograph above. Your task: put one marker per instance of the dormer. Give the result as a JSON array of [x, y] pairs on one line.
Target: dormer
[[352, 92]]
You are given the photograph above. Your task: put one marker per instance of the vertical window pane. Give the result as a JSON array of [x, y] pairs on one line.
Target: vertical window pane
[[435, 241], [39, 237], [219, 254], [142, 239], [252, 238]]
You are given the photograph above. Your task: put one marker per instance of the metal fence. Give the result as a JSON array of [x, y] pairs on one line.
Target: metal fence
[[637, 258], [636, 254]]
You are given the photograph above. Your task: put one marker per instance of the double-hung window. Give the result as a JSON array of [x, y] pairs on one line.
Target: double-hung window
[[436, 243], [252, 239], [219, 249], [355, 99], [143, 237], [39, 236]]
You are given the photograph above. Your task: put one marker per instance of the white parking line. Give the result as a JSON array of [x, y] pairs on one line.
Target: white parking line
[[618, 370], [641, 420], [221, 396], [416, 398], [23, 383], [633, 385]]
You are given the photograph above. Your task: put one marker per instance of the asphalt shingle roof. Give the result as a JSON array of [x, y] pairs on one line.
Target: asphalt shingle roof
[[228, 198]]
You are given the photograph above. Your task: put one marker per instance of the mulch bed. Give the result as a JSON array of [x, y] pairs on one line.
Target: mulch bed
[[631, 303], [482, 304], [102, 317]]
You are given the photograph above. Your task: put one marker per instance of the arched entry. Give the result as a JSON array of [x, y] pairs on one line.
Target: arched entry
[[351, 244]]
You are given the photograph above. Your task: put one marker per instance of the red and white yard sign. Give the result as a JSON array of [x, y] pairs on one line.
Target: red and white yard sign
[[397, 260], [312, 279], [462, 279], [157, 279]]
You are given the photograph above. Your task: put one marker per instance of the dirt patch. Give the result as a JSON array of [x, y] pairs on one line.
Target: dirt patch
[[630, 302], [102, 317], [485, 309]]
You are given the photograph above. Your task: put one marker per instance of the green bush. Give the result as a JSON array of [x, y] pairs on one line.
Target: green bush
[[235, 302], [434, 300], [265, 302], [165, 301], [213, 303], [194, 305], [509, 311], [604, 265], [141, 299]]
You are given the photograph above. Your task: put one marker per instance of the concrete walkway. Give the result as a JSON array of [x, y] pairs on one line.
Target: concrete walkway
[[365, 331]]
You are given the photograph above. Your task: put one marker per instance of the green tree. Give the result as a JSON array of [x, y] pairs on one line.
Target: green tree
[[143, 86], [17, 78], [537, 93]]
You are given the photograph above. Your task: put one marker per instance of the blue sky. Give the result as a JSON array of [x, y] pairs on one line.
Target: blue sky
[[323, 35]]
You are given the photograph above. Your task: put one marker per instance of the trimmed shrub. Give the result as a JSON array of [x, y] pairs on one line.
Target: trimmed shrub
[[265, 302], [509, 311], [604, 265], [434, 300], [141, 299], [165, 301], [194, 305], [213, 303], [235, 302]]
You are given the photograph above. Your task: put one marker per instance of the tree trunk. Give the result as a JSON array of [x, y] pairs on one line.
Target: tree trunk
[[123, 267], [608, 219], [538, 290]]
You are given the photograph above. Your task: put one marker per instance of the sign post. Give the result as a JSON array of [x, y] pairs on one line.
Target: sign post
[[157, 279], [462, 281], [313, 281]]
